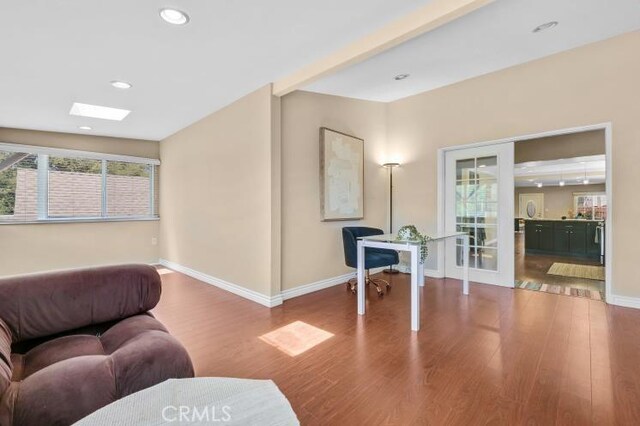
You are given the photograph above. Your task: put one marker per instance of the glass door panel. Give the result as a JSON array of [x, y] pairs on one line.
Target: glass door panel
[[476, 209]]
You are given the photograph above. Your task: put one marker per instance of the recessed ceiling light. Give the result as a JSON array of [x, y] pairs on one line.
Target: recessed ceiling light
[[174, 16], [84, 127], [539, 185], [97, 111], [400, 77], [561, 183], [545, 26], [121, 84], [586, 181]]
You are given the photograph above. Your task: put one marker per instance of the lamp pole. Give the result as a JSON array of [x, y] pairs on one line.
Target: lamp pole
[[391, 166]]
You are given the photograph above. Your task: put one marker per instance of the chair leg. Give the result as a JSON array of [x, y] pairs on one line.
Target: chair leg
[[375, 282], [384, 283], [352, 285]]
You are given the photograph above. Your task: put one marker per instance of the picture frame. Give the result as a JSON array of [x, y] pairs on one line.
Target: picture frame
[[341, 176]]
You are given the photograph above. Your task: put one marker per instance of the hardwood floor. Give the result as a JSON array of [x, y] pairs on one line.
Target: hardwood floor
[[535, 267], [498, 356]]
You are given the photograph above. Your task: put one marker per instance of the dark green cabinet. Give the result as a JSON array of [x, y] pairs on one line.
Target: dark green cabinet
[[562, 238], [538, 235], [570, 238]]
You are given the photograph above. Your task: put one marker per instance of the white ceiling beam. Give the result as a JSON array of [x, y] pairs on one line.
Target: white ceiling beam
[[425, 19]]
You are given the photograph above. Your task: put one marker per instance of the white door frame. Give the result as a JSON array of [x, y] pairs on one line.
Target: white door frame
[[608, 132]]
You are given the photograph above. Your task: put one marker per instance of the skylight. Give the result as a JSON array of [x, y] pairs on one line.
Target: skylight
[[97, 111]]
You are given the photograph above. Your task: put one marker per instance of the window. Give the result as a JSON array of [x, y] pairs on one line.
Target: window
[[590, 205], [42, 184]]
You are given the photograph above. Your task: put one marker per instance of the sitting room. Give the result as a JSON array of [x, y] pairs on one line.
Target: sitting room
[[285, 213]]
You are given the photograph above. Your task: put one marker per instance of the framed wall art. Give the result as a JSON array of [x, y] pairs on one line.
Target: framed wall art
[[341, 176]]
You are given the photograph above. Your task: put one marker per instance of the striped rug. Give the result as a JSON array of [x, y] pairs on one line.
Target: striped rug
[[560, 289]]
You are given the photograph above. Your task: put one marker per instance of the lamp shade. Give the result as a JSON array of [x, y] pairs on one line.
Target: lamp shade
[[390, 165]]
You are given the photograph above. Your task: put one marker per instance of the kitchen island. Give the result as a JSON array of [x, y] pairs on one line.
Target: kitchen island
[[571, 237]]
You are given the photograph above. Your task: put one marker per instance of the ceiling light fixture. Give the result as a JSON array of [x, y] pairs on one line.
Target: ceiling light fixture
[[97, 111], [539, 184], [545, 26], [174, 16], [400, 77], [84, 127], [121, 84], [561, 183]]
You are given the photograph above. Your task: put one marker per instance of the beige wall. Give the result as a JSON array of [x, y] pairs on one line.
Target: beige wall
[[592, 84], [312, 249], [47, 246], [101, 144], [218, 206], [580, 144], [558, 200]]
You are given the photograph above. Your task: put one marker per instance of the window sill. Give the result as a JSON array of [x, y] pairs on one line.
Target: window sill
[[85, 220]]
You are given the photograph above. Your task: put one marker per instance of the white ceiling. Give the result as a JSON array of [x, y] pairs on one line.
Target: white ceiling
[[495, 37], [54, 53], [572, 171]]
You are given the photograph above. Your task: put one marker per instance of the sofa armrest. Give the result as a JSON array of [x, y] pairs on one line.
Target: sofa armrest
[[40, 305]]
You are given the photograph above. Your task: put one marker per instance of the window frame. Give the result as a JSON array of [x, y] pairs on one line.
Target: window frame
[[598, 194], [43, 154]]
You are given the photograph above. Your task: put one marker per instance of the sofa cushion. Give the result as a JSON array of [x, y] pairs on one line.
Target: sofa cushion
[[62, 380], [6, 366], [54, 351]]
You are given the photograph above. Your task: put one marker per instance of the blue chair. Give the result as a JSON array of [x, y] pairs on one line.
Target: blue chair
[[373, 257]]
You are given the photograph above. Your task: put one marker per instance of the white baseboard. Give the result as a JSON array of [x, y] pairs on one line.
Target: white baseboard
[[433, 273], [625, 301], [254, 296], [316, 286]]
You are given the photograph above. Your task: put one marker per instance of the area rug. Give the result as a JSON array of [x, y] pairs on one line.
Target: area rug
[[560, 289], [577, 271]]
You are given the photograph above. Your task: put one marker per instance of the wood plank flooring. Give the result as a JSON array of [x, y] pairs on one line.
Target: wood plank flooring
[[498, 356], [534, 267]]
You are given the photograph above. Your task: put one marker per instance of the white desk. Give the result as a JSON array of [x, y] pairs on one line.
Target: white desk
[[391, 242]]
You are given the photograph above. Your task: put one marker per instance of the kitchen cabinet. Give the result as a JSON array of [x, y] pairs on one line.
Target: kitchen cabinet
[[561, 238], [538, 235]]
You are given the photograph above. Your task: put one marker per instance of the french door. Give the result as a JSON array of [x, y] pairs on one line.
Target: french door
[[479, 200]]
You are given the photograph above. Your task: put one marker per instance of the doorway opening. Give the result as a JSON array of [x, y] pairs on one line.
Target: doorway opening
[[561, 209], [575, 260]]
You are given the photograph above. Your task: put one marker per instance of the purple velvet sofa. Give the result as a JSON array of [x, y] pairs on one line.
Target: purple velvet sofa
[[72, 342]]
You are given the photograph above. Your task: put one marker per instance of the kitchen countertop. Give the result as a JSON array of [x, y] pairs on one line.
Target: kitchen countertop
[[564, 220]]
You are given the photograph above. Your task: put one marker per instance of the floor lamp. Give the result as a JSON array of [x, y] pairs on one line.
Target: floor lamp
[[390, 166]]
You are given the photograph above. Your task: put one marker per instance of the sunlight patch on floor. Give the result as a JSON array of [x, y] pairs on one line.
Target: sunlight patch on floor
[[296, 338]]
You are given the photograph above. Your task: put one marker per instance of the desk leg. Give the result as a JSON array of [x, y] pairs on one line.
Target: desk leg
[[420, 271], [465, 265], [361, 284], [415, 289]]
